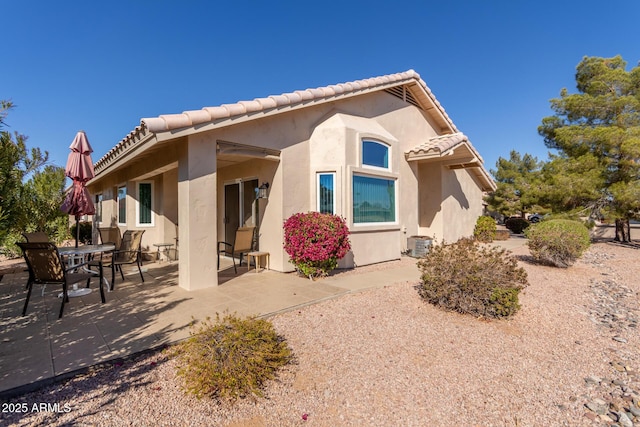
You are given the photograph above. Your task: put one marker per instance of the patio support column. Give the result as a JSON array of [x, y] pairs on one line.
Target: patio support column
[[197, 217]]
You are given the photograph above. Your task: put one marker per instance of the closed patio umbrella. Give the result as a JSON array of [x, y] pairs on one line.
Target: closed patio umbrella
[[80, 169]]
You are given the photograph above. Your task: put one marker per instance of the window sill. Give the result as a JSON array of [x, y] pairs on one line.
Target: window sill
[[378, 226]]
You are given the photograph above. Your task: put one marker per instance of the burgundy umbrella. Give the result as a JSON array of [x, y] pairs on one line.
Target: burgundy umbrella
[[80, 169]]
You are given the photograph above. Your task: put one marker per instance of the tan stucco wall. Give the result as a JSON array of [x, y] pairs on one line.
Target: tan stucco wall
[[462, 204], [450, 202], [168, 206], [160, 169], [197, 213], [430, 201], [321, 139]]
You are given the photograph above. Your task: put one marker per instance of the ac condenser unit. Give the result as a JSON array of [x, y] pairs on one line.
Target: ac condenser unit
[[418, 246]]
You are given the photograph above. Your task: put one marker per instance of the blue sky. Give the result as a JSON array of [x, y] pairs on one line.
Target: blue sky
[[102, 66]]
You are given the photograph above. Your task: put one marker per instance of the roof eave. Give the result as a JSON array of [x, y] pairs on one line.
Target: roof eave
[[138, 140], [462, 155]]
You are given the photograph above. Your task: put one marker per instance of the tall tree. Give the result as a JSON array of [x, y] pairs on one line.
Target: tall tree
[[518, 183], [570, 185], [29, 188], [597, 131], [43, 194]]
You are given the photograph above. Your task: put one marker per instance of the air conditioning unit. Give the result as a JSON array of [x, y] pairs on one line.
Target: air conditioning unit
[[418, 246]]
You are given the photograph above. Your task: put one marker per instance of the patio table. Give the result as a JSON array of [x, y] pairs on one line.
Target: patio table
[[79, 253], [256, 259], [166, 246]]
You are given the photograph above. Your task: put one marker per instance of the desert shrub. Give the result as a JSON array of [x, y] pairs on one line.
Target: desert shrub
[[56, 235], [86, 230], [485, 230], [230, 358], [10, 248], [502, 235], [472, 279], [517, 225], [558, 242], [315, 242]]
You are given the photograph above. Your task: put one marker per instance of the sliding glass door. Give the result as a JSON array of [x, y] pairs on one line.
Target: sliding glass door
[[239, 207]]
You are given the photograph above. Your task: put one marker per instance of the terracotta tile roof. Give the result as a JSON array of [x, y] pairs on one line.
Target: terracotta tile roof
[[441, 144], [270, 105], [167, 122]]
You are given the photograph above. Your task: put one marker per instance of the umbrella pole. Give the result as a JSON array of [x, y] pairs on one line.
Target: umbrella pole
[[77, 229]]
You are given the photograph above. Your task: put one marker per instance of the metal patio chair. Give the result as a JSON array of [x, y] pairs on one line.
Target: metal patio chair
[[46, 266], [128, 252], [110, 235], [36, 236], [242, 244]]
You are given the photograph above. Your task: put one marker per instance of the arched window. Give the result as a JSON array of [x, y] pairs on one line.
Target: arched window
[[375, 154]]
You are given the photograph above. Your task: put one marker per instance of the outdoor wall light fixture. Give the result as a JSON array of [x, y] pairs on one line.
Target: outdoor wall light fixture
[[262, 190]]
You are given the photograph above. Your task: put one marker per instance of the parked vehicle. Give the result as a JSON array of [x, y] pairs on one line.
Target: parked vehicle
[[535, 217]]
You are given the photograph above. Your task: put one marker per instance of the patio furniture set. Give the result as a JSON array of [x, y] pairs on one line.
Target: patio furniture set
[[68, 266]]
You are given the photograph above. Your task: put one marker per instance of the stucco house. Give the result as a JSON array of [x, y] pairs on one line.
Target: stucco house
[[381, 152]]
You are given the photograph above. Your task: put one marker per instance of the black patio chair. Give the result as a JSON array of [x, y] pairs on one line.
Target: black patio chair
[[46, 266]]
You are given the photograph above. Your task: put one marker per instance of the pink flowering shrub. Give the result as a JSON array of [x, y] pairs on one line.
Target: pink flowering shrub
[[315, 242]]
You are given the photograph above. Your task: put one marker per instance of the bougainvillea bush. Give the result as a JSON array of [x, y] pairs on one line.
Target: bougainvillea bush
[[315, 242]]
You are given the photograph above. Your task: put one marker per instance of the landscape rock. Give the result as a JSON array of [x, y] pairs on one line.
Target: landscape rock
[[624, 420], [615, 308], [598, 406]]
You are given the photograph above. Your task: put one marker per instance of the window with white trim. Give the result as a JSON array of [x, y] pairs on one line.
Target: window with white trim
[[326, 192], [374, 199], [121, 200], [144, 207]]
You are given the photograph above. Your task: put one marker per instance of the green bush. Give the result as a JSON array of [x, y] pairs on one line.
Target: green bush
[[472, 279], [575, 216], [86, 231], [57, 230], [485, 230], [231, 358], [517, 225], [558, 242], [10, 249]]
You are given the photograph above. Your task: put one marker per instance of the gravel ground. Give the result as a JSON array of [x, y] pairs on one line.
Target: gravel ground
[[383, 357]]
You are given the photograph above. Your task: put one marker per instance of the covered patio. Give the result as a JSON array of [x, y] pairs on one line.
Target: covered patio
[[195, 195]]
